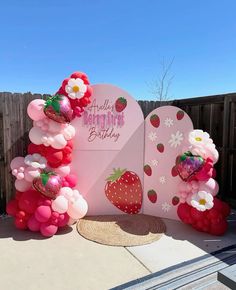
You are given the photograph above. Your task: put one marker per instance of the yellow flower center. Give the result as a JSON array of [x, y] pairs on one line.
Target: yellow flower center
[[198, 139], [75, 89], [202, 201]]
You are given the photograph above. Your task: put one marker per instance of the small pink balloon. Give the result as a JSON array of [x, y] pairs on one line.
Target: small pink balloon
[[43, 213], [63, 170], [210, 186], [22, 185], [35, 109], [78, 209], [63, 220], [48, 230], [33, 224], [17, 162], [60, 204]]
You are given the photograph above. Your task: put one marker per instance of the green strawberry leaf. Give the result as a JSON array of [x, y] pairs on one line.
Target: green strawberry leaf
[[56, 106], [44, 177]]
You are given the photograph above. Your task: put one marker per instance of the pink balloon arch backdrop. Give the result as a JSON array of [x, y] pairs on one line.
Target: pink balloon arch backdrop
[[160, 166]]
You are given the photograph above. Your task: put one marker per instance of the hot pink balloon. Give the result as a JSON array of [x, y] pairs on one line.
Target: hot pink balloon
[[43, 213], [33, 224], [48, 230], [63, 220], [22, 185], [35, 109]]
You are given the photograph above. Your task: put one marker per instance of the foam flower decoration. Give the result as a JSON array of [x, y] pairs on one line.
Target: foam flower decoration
[[75, 88], [202, 200], [36, 161], [199, 138]]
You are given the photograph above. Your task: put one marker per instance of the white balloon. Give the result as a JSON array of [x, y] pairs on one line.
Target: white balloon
[[60, 204]]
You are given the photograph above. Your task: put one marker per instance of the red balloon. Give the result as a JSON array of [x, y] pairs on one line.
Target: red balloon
[[28, 201], [12, 207], [197, 215], [80, 75], [67, 149], [54, 159], [219, 229], [184, 213], [70, 143], [67, 159], [18, 195], [21, 224]]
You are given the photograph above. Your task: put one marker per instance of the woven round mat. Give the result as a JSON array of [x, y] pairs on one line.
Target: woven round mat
[[122, 230]]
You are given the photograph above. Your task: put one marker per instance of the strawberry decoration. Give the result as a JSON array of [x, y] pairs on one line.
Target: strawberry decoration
[[147, 169], [152, 195], [155, 120], [175, 200], [120, 104], [188, 165], [124, 190], [48, 183], [180, 115], [160, 147], [58, 108]]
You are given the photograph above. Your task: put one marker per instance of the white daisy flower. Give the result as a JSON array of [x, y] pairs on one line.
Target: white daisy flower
[[199, 138], [176, 139], [202, 200], [168, 122], [152, 136], [162, 179], [165, 207], [76, 88], [36, 160], [154, 162]]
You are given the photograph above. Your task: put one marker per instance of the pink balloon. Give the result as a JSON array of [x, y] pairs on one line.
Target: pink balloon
[[78, 209], [35, 109], [33, 224], [60, 204], [63, 170], [22, 185], [71, 221], [210, 186], [43, 213], [17, 162], [71, 180], [48, 230], [35, 135], [63, 220]]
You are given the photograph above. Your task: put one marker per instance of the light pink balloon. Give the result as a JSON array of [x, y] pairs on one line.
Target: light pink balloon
[[210, 186], [22, 185], [31, 173], [60, 204], [67, 192], [58, 141], [63, 170], [78, 209], [35, 109], [55, 127], [35, 135], [17, 162]]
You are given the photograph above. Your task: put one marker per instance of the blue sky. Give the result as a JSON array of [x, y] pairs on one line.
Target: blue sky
[[119, 42]]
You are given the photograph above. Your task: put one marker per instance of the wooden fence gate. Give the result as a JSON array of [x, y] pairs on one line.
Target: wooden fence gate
[[214, 114]]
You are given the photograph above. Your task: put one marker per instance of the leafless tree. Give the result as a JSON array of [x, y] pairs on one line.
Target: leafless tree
[[160, 87]]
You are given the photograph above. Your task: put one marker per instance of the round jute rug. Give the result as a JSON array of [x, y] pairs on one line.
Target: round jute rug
[[122, 230]]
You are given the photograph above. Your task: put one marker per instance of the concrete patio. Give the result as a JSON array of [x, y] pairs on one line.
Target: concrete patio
[[68, 261]]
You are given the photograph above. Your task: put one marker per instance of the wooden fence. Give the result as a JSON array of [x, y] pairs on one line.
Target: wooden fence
[[214, 114]]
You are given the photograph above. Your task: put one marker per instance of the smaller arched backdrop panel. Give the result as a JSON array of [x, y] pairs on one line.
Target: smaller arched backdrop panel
[[166, 136], [108, 152]]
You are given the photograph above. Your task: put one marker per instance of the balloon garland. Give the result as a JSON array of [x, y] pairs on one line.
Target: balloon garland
[[198, 205], [45, 199]]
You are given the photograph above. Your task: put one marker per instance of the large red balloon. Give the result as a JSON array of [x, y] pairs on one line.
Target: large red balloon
[[28, 201], [12, 207], [219, 229]]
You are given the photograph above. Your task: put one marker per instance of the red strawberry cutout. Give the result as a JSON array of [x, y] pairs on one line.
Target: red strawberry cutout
[[155, 120], [124, 190], [160, 147], [174, 171], [147, 169], [175, 200], [152, 195], [120, 104], [180, 115]]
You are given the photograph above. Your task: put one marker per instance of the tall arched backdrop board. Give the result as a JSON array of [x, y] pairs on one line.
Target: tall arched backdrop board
[[110, 136]]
